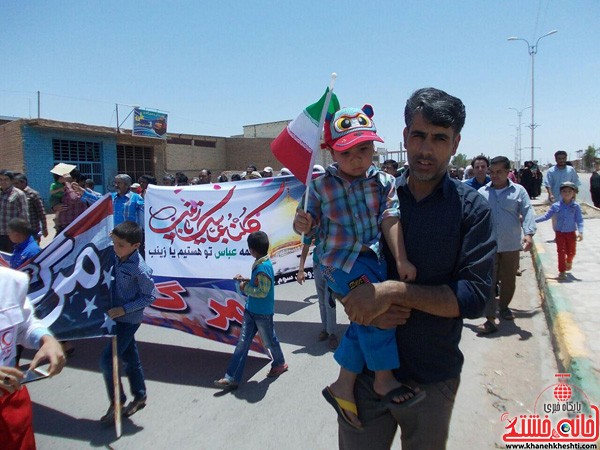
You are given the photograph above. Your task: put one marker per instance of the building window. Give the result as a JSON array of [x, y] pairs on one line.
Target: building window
[[135, 161], [87, 156]]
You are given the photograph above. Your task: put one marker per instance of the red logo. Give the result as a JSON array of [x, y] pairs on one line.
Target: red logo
[[557, 417]]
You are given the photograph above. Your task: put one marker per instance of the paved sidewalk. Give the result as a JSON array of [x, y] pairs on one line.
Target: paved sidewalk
[[572, 306]]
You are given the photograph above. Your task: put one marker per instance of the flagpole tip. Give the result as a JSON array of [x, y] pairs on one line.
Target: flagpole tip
[[334, 75]]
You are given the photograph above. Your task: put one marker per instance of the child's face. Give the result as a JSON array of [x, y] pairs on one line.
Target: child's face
[[123, 249], [567, 194], [354, 162], [16, 237]]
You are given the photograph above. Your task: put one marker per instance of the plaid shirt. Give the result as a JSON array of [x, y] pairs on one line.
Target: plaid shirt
[[13, 203], [37, 214], [349, 214]]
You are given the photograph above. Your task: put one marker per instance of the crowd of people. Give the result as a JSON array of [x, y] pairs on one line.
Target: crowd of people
[[405, 278]]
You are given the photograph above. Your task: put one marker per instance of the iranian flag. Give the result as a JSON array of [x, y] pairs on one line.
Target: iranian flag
[[296, 147]]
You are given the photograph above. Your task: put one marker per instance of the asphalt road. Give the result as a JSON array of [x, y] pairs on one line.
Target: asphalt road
[[503, 373]]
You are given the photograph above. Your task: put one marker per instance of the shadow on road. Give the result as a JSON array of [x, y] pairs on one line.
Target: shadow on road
[[52, 422]]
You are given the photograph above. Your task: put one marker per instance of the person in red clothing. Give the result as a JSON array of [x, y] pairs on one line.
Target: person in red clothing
[[19, 326]]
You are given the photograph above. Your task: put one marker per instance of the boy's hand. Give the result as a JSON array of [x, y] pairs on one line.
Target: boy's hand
[[303, 222], [406, 270], [580, 237], [51, 350], [301, 275], [119, 311]]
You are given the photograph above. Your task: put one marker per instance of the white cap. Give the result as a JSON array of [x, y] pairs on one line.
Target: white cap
[[285, 171], [268, 169], [318, 168]]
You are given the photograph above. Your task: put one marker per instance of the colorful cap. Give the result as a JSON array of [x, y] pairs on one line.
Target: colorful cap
[[569, 184], [349, 127]]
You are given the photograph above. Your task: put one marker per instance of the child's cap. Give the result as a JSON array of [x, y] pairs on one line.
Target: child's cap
[[349, 127], [62, 169], [569, 184]]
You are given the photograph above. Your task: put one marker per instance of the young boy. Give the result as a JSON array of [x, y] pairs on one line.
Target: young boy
[[26, 247], [353, 203], [568, 220], [132, 290], [258, 314]]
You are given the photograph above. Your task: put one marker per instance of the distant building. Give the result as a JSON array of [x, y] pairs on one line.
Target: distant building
[[34, 146]]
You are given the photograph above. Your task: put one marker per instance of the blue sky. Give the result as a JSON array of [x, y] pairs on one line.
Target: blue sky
[[216, 66]]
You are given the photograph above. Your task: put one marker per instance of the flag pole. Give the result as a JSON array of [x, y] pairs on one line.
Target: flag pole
[[318, 143], [116, 387]]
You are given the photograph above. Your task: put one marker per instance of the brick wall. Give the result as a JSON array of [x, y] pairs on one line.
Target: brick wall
[[11, 144]]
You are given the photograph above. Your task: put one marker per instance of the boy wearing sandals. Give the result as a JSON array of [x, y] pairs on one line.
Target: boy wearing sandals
[[353, 204], [258, 315], [132, 290]]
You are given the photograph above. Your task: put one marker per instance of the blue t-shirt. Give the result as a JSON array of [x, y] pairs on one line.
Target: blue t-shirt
[[23, 251]]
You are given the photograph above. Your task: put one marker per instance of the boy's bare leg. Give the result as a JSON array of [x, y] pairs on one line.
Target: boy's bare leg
[[385, 382], [343, 387]]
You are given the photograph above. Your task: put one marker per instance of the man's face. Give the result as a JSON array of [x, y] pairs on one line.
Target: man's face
[[429, 148], [204, 177], [354, 162], [5, 182], [561, 160], [499, 175], [19, 184], [388, 168], [480, 170], [121, 186]]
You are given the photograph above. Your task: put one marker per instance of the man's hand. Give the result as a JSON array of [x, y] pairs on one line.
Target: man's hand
[[118, 311], [77, 189], [303, 222], [50, 351], [367, 301], [301, 275], [527, 242], [394, 316]]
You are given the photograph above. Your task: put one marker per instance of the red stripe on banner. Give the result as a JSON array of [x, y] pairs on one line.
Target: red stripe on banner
[[93, 217]]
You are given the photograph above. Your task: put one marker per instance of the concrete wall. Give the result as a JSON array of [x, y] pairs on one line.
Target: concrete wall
[[265, 130], [39, 157]]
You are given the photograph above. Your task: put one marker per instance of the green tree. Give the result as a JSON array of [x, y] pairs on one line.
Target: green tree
[[460, 160], [589, 157]]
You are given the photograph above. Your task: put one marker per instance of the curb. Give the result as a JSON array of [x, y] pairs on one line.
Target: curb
[[572, 353]]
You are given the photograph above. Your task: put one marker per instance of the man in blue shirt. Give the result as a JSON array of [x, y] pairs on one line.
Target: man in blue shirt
[[480, 165], [558, 174], [127, 205], [511, 212], [448, 236]]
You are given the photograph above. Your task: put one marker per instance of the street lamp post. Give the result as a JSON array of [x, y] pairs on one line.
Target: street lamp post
[[532, 51], [519, 144]]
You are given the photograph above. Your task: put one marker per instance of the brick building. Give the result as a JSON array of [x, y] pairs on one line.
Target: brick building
[[34, 146]]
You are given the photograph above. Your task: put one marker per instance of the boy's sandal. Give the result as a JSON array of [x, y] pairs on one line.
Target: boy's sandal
[[225, 384], [340, 405], [414, 396], [134, 407], [276, 371]]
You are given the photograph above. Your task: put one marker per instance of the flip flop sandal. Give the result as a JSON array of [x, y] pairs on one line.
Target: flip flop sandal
[[340, 405], [388, 399]]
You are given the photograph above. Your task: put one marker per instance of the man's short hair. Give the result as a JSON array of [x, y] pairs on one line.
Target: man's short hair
[[501, 160], [437, 107], [148, 178], [129, 231], [560, 153], [8, 173], [391, 162], [19, 225], [480, 158], [259, 242], [124, 178]]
